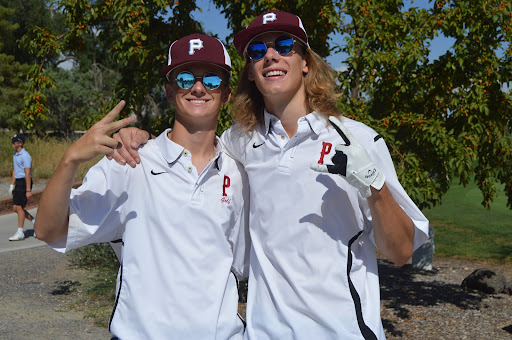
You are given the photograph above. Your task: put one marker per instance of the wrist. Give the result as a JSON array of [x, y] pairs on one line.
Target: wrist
[[70, 159], [366, 178], [379, 180]]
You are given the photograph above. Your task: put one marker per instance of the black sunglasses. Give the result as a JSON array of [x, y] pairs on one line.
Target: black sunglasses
[[186, 80], [283, 45]]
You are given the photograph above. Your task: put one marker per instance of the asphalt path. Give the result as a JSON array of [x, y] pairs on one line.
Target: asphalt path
[[9, 225]]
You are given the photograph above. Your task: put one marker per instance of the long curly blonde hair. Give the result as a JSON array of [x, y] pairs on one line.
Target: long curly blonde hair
[[248, 105]]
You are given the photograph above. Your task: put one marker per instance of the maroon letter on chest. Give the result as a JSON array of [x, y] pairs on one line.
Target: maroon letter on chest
[[326, 148], [227, 184]]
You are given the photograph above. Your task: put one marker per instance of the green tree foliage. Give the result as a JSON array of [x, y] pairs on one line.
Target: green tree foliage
[[23, 17], [135, 35], [12, 91], [446, 118], [26, 15], [443, 119], [12, 88], [74, 104]]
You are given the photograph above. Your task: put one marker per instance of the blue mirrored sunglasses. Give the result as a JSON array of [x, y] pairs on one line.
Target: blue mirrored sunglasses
[[257, 49], [186, 80]]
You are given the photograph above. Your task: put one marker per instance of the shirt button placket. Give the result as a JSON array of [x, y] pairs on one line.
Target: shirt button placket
[[197, 195], [186, 154]]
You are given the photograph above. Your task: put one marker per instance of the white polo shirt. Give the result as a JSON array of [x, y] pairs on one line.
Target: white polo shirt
[[301, 224], [184, 238]]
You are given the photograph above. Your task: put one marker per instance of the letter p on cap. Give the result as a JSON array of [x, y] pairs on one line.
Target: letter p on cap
[[195, 44]]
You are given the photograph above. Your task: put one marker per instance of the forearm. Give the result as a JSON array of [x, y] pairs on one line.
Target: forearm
[[28, 180], [53, 210], [393, 229], [13, 178]]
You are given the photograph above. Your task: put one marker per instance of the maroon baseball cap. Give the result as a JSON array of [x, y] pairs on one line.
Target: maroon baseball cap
[[197, 47], [268, 22]]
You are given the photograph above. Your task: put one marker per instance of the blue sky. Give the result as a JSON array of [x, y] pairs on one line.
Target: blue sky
[[214, 22]]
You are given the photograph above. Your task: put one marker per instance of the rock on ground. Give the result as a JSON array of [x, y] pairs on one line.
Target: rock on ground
[[432, 304]]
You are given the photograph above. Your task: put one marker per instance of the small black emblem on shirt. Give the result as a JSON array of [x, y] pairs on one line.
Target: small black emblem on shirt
[[257, 146], [157, 173]]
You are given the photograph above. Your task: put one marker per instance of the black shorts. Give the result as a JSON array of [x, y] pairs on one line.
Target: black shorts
[[20, 192]]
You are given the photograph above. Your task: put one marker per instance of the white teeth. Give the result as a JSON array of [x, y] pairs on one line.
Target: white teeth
[[196, 101], [274, 73]]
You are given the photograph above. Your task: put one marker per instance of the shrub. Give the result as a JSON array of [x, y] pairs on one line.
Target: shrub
[[46, 154], [97, 255]]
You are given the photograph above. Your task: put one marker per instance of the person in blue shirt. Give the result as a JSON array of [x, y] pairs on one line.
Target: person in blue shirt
[[21, 184]]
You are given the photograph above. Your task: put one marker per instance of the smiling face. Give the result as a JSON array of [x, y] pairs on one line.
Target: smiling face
[[277, 77], [198, 105]]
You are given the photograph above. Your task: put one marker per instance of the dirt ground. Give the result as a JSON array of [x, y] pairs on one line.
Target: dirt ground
[[432, 305], [39, 294]]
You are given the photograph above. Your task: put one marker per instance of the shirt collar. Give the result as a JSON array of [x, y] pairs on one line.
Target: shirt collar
[[268, 119], [171, 151], [316, 121], [219, 150], [16, 153]]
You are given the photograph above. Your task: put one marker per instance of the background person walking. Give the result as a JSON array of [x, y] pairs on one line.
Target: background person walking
[[21, 184]]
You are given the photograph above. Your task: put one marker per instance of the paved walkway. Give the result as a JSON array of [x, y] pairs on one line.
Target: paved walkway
[[8, 226], [9, 221]]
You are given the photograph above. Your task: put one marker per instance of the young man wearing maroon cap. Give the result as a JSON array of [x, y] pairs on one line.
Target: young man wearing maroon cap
[[313, 268], [181, 216]]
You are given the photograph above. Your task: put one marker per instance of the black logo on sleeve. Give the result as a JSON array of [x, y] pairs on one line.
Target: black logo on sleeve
[[257, 146], [370, 173], [157, 173]]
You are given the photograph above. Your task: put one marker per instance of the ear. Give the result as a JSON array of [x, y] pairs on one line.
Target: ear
[[250, 74], [305, 67], [226, 95], [169, 93]]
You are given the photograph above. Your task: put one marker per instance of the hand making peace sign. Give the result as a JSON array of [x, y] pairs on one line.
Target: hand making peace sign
[[97, 141]]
